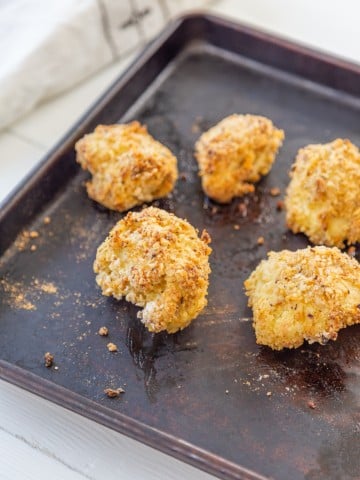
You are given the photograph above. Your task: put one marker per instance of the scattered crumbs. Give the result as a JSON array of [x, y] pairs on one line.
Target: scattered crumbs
[[33, 234], [56, 367], [280, 205], [22, 303], [311, 404], [351, 251], [235, 380], [47, 287], [236, 227], [226, 391], [195, 127], [268, 394], [104, 332], [214, 210], [47, 220], [182, 177], [275, 191], [114, 392], [91, 304], [287, 389], [19, 294], [16, 295], [33, 248], [49, 359], [242, 208], [112, 347], [260, 241], [22, 240]]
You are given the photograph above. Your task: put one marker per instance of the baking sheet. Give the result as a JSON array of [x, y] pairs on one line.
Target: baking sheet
[[208, 395]]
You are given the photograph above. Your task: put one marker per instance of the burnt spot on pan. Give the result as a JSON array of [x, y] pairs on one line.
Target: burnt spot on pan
[[241, 211], [326, 374]]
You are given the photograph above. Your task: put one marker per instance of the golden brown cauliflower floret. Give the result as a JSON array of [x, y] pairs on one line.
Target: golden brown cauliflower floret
[[308, 295], [129, 167], [323, 197], [235, 153], [156, 261]]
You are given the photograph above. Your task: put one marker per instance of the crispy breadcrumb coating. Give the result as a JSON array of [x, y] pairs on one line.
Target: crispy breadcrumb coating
[[308, 295], [129, 167], [323, 197], [156, 261], [235, 153]]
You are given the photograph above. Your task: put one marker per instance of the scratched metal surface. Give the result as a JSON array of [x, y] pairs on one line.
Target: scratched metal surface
[[210, 384]]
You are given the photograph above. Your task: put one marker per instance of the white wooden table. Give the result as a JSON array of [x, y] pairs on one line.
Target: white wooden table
[[38, 439]]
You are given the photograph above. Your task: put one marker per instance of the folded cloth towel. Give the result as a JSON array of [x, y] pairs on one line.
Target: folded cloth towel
[[48, 46]]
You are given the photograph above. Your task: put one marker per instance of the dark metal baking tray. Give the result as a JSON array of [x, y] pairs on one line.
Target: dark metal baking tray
[[208, 395]]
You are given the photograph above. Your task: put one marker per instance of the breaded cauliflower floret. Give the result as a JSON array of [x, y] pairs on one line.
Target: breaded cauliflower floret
[[323, 197], [308, 295], [235, 153], [129, 167], [156, 261]]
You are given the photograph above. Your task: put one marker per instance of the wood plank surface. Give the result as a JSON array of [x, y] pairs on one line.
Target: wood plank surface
[[51, 439]]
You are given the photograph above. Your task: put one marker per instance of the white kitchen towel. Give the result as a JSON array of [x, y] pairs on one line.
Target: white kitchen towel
[[47, 46]]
